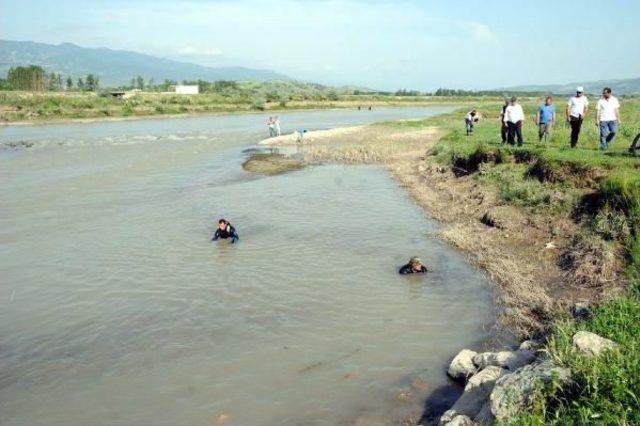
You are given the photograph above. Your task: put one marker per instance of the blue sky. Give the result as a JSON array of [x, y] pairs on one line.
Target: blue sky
[[375, 43]]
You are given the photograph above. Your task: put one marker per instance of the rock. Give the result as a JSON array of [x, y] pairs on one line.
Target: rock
[[222, 419], [462, 366], [591, 343], [530, 345], [460, 420], [484, 416], [581, 310], [511, 360], [405, 395], [513, 392], [475, 394]]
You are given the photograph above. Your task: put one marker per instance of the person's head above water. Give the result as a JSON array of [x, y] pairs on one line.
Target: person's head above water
[[416, 263], [222, 223]]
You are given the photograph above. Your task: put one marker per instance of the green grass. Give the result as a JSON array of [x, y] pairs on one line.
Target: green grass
[[602, 192], [605, 389]]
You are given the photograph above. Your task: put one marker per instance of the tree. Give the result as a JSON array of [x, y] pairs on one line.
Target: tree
[[140, 82], [69, 83], [80, 84], [54, 82], [92, 82], [31, 77]]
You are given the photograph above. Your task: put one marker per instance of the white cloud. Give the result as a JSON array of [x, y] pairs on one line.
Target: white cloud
[[208, 51]]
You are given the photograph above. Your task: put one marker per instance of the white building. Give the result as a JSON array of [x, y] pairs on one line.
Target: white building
[[183, 89]]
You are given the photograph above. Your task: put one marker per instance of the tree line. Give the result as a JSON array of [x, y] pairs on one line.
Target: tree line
[[35, 78]]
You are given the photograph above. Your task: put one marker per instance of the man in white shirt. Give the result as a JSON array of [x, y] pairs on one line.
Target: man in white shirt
[[513, 118], [607, 117], [577, 109]]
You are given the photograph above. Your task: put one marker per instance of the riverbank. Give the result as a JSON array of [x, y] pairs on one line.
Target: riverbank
[[527, 289], [554, 228], [56, 107]]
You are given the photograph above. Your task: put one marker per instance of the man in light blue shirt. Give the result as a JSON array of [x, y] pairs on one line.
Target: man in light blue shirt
[[546, 119]]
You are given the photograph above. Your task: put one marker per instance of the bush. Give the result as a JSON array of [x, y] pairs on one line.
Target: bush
[[610, 225], [525, 193]]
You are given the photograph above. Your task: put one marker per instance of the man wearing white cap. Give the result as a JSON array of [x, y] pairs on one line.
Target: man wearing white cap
[[577, 108], [607, 117]]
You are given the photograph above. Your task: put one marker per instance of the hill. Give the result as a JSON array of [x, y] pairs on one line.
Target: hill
[[117, 67], [629, 86]]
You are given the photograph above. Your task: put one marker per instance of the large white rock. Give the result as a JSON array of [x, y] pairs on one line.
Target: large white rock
[[462, 366], [460, 420], [513, 392], [530, 345], [475, 394], [511, 360], [591, 343]]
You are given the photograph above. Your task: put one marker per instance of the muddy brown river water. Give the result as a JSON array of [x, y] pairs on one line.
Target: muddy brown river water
[[115, 308]]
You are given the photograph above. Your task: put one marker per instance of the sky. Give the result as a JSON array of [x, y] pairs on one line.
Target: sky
[[381, 44]]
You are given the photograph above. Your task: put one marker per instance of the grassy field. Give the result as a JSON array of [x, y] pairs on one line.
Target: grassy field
[[41, 106], [601, 193]]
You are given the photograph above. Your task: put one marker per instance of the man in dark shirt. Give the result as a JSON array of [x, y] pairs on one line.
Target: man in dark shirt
[[414, 266], [503, 125], [225, 230]]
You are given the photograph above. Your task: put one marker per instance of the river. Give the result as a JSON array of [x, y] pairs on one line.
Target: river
[[116, 308]]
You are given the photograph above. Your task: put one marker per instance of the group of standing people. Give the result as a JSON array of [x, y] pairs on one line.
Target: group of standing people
[[273, 123], [512, 118]]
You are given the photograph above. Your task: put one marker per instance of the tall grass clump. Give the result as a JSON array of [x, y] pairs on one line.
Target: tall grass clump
[[605, 390]]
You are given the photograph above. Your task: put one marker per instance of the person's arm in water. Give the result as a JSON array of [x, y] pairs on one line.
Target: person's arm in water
[[406, 270], [234, 234], [216, 235]]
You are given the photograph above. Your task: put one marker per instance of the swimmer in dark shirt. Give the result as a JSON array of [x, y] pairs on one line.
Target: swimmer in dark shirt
[[225, 230], [414, 266]]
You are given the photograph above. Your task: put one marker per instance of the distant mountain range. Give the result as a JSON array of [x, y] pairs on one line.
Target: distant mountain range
[[629, 86], [117, 67]]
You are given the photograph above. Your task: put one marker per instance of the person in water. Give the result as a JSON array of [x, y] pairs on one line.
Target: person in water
[[225, 230], [414, 266]]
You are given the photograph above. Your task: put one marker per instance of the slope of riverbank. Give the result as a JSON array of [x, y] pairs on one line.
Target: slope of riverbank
[[553, 227]]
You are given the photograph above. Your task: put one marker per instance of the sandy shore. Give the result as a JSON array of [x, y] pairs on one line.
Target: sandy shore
[[312, 137]]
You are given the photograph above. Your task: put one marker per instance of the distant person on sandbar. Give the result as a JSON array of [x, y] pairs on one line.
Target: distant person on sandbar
[[225, 230], [414, 266], [470, 119], [276, 125], [271, 124], [300, 135]]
